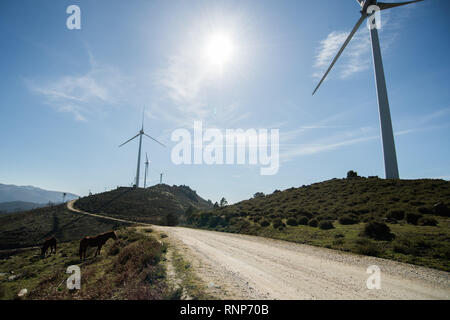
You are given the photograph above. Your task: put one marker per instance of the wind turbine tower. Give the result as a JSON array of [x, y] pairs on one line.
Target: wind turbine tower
[[146, 170], [368, 10]]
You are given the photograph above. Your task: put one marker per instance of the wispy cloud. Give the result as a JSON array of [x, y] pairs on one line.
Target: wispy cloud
[[331, 141], [354, 59], [342, 138], [357, 57], [82, 94]]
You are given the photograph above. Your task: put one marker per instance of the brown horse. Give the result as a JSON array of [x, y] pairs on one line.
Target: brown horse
[[95, 241], [49, 243]]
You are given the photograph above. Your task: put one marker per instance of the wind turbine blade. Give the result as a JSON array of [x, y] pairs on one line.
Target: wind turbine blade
[[360, 2], [384, 6], [129, 140], [154, 140], [350, 36]]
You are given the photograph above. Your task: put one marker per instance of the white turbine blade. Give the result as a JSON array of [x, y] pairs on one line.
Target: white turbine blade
[[384, 6], [350, 36], [154, 140], [129, 140]]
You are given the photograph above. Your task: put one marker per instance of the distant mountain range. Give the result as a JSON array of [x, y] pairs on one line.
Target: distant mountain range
[[17, 206], [18, 198]]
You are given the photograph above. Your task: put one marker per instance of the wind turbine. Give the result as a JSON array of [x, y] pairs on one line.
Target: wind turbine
[[368, 9], [140, 134], [146, 170]]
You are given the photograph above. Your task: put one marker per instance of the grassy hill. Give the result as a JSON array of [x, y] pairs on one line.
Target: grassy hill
[[336, 213], [129, 268], [160, 204], [30, 228]]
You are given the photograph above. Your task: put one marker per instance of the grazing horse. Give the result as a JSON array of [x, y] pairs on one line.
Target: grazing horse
[[49, 243], [95, 241]]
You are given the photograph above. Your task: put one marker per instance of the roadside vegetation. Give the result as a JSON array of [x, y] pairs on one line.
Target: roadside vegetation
[[130, 267], [403, 220]]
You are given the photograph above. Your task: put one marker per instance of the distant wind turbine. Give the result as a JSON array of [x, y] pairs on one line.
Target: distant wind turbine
[[146, 170], [387, 134], [140, 134]]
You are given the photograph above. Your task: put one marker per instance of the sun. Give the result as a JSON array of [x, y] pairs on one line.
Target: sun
[[219, 49]]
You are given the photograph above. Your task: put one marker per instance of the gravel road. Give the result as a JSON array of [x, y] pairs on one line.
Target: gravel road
[[247, 267]]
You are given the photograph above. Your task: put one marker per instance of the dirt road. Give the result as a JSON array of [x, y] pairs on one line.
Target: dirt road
[[70, 206], [246, 267], [237, 266]]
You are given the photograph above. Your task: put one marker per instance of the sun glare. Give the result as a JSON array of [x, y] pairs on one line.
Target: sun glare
[[219, 49]]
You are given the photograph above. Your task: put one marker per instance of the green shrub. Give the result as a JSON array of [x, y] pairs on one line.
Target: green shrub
[[139, 255], [303, 221], [313, 223], [348, 219], [277, 223], [424, 210], [403, 246], [114, 249], [441, 209], [427, 221], [413, 218], [378, 231], [213, 221], [325, 225], [325, 217], [396, 214], [264, 223], [292, 222], [367, 247]]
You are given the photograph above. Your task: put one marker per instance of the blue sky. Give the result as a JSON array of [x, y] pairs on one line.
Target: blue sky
[[70, 97]]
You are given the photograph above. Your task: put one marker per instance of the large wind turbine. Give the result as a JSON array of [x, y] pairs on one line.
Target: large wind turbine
[[368, 8], [140, 134]]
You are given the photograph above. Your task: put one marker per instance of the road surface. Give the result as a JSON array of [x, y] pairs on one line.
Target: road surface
[[235, 266]]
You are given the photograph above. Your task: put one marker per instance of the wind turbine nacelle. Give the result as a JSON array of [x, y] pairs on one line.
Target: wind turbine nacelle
[[366, 5]]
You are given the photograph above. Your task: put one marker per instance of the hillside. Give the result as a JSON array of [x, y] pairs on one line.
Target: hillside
[[131, 267], [9, 192], [334, 214], [160, 204], [18, 206], [30, 228]]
